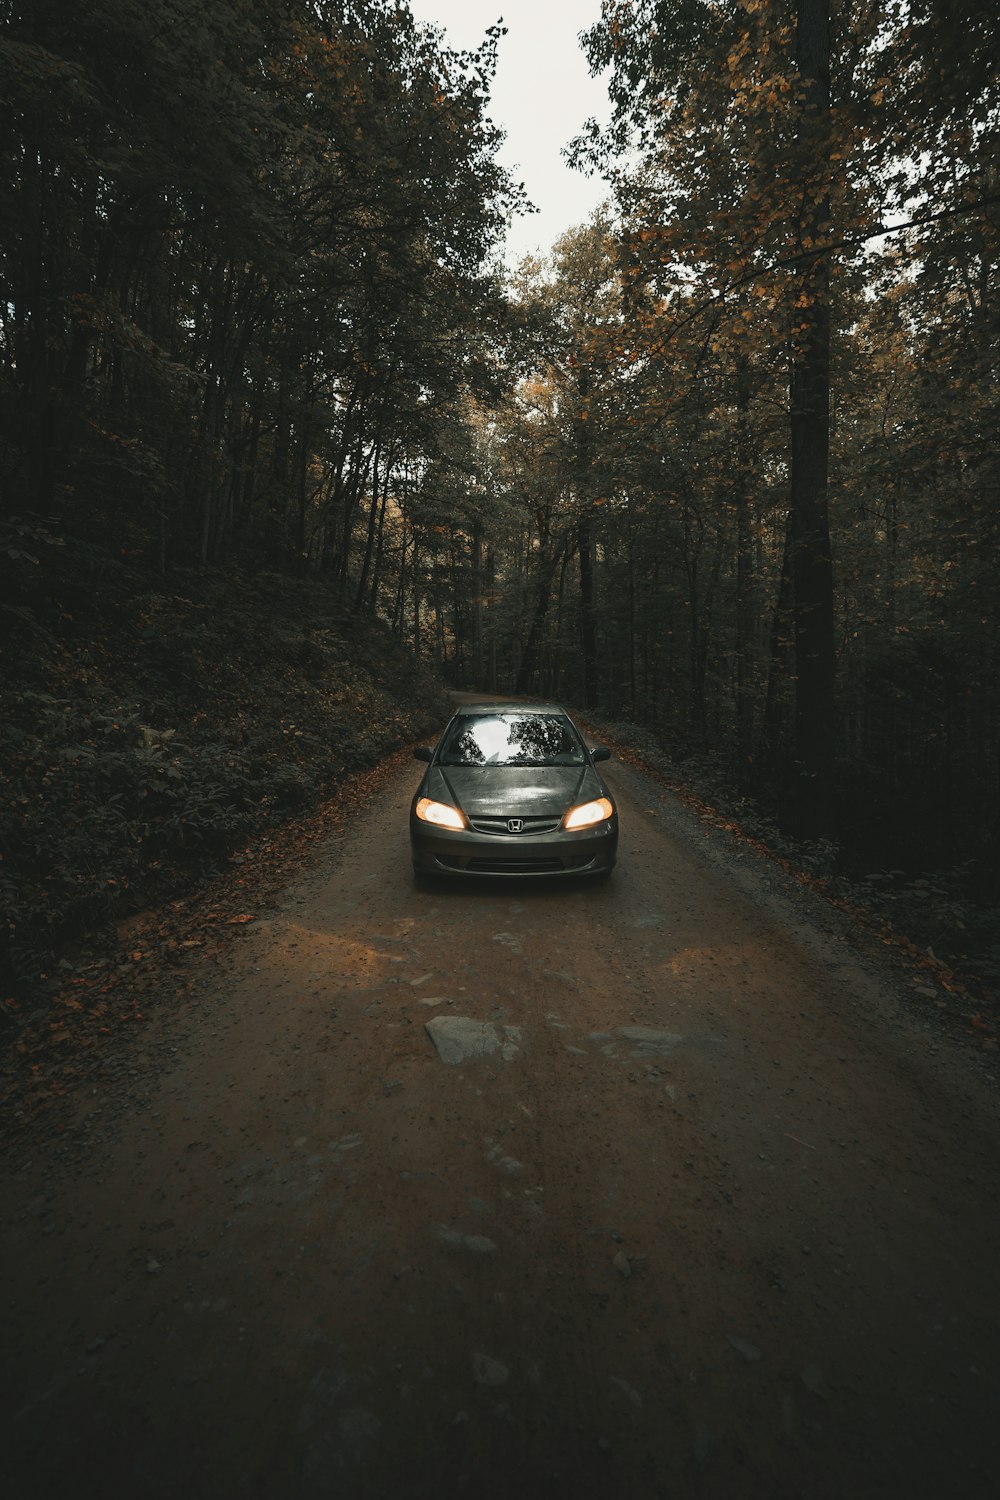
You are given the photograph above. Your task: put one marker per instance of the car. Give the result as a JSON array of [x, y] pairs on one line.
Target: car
[[513, 790]]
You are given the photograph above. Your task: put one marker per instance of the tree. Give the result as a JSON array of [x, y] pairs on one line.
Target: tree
[[239, 242], [809, 416]]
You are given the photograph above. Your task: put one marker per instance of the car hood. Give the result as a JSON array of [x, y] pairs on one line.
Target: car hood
[[513, 791]]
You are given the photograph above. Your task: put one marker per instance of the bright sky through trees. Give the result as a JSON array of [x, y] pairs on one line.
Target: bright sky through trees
[[542, 95]]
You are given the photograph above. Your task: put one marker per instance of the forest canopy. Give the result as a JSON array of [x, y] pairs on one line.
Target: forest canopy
[[243, 248]]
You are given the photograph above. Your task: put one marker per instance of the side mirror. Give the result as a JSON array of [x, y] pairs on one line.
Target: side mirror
[[422, 752], [600, 752]]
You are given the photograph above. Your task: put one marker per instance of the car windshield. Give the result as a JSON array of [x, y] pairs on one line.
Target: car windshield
[[512, 740]]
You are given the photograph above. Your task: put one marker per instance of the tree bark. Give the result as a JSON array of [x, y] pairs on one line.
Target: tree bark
[[810, 444], [781, 641], [477, 604], [585, 544], [529, 656], [745, 614]]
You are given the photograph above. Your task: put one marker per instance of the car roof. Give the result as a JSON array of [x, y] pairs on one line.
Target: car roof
[[506, 706]]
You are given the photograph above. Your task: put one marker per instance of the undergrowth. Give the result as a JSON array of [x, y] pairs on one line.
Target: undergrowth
[[149, 732]]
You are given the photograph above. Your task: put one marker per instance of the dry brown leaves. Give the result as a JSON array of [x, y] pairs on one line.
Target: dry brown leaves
[[159, 953]]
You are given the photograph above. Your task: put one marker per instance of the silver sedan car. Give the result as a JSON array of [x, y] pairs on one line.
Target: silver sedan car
[[513, 790]]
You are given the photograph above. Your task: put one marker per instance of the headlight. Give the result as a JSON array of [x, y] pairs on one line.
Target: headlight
[[439, 813], [588, 813]]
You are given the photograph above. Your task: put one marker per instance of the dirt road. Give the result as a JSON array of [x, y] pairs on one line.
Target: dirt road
[[707, 1215]]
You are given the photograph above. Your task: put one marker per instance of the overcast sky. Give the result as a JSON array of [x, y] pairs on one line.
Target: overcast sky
[[542, 95]]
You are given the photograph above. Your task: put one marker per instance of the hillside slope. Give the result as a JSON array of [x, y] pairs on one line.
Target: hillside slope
[[150, 728]]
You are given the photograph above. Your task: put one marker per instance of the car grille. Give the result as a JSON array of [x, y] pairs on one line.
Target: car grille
[[531, 825], [514, 866], [550, 866]]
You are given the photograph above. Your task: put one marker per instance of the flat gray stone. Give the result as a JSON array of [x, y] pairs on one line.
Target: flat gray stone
[[459, 1039], [749, 1351], [650, 1041], [476, 1244], [508, 1164], [489, 1371]]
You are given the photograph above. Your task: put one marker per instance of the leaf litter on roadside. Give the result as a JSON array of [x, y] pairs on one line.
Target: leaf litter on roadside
[[104, 998]]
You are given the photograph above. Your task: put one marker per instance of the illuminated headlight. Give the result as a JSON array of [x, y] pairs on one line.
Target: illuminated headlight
[[439, 813], [588, 813]]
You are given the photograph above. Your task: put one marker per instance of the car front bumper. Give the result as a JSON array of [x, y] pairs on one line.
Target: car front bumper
[[584, 851]]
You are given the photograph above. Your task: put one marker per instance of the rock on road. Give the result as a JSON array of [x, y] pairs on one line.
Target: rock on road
[[646, 1188]]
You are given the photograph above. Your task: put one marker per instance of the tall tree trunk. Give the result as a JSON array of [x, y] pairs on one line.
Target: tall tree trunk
[[477, 604], [399, 608], [352, 499], [810, 444], [585, 543], [379, 549], [782, 626], [439, 630], [415, 583], [376, 515], [631, 629], [491, 579], [457, 592], [529, 656], [588, 629], [745, 614], [302, 503], [373, 512]]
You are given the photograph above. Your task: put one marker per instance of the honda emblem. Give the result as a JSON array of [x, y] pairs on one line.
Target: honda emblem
[[514, 825]]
